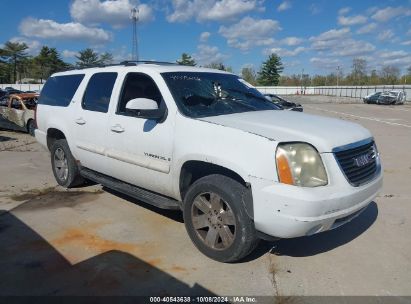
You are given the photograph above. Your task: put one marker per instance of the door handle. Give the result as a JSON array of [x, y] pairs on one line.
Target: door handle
[[117, 128], [80, 121]]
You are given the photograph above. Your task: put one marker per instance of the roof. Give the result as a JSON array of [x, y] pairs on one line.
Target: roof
[[157, 67]]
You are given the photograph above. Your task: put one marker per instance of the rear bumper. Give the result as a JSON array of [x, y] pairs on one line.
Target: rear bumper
[[41, 137], [286, 211]]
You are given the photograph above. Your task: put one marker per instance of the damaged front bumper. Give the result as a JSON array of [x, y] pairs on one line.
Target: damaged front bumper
[[286, 211]]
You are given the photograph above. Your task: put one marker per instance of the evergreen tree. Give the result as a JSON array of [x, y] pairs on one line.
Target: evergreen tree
[[87, 58], [106, 58], [269, 74], [186, 60], [14, 52], [49, 62]]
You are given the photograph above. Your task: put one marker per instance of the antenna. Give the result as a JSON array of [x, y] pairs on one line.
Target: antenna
[[134, 47]]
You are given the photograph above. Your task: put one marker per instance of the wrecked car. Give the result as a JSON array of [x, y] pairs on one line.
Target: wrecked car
[[391, 98], [17, 112], [372, 98]]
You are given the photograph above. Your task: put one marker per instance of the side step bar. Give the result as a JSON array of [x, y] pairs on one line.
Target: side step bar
[[141, 194]]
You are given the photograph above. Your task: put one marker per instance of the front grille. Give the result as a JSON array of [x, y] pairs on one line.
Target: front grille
[[359, 164]]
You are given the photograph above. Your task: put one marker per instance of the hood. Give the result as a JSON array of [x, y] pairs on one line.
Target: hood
[[285, 126]]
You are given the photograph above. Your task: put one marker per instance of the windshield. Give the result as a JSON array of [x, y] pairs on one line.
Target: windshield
[[211, 94]]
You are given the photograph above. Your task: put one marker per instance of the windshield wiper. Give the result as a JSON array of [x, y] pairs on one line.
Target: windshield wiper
[[248, 94]]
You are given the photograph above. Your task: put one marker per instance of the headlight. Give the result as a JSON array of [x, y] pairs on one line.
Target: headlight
[[300, 164]]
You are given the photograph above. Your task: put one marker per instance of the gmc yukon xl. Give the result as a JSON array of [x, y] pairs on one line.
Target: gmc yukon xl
[[208, 143]]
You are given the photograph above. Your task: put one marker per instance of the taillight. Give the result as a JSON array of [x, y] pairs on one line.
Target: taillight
[[35, 116]]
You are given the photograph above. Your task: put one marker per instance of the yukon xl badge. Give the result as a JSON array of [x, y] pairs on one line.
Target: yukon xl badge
[[362, 160]]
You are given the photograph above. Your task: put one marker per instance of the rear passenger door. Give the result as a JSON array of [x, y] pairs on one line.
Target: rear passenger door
[[91, 122]]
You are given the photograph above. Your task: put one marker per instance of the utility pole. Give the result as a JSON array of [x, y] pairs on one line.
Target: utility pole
[[134, 47], [302, 72], [338, 75]]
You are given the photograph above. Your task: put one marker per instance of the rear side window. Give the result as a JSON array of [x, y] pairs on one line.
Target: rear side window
[[59, 90], [98, 92]]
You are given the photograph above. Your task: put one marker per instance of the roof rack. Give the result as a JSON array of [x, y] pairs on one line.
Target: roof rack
[[123, 63], [136, 62]]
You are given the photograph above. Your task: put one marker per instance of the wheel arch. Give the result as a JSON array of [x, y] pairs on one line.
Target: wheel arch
[[192, 170], [54, 134]]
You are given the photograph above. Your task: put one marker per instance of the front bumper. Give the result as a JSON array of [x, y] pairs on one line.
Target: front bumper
[[287, 211]]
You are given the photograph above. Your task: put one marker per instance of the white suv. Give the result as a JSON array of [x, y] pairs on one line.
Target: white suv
[[208, 143]]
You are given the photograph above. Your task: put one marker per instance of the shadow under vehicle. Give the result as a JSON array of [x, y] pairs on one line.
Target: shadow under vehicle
[[17, 112]]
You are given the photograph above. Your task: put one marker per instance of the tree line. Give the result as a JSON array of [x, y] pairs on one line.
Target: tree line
[[16, 64], [359, 75], [270, 71], [268, 75]]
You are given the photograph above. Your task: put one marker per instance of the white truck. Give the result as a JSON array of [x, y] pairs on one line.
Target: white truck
[[208, 143]]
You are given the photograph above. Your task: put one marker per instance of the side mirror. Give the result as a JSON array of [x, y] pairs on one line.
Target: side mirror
[[141, 104], [145, 108]]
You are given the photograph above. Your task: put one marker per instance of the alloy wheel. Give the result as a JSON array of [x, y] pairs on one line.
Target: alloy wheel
[[213, 221]]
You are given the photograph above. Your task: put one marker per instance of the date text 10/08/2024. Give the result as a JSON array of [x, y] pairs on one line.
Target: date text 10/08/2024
[[233, 299]]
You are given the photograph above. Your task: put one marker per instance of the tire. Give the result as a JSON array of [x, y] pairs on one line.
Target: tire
[[213, 210], [64, 165], [31, 126]]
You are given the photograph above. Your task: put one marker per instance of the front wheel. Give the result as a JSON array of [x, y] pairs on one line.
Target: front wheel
[[64, 165], [216, 220]]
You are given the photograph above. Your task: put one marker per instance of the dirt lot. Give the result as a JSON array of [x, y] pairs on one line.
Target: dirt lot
[[92, 241]]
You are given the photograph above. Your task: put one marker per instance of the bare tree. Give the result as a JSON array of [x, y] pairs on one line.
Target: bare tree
[[249, 75], [359, 71], [390, 74]]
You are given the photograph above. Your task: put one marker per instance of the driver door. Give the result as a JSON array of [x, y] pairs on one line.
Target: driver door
[[140, 151]]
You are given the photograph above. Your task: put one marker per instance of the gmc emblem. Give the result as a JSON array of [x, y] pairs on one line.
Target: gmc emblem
[[362, 160]]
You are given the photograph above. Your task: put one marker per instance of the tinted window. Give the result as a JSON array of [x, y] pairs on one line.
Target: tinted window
[[98, 92], [59, 90], [138, 85]]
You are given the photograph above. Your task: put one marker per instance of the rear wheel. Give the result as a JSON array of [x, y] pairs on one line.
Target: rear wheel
[[64, 165], [31, 127], [216, 219]]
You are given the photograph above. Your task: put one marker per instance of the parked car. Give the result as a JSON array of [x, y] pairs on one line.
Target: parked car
[[391, 98], [13, 91], [284, 104], [2, 93], [9, 89], [372, 98], [17, 112], [202, 141]]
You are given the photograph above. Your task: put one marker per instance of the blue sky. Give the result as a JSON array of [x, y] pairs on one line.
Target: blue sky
[[316, 36]]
